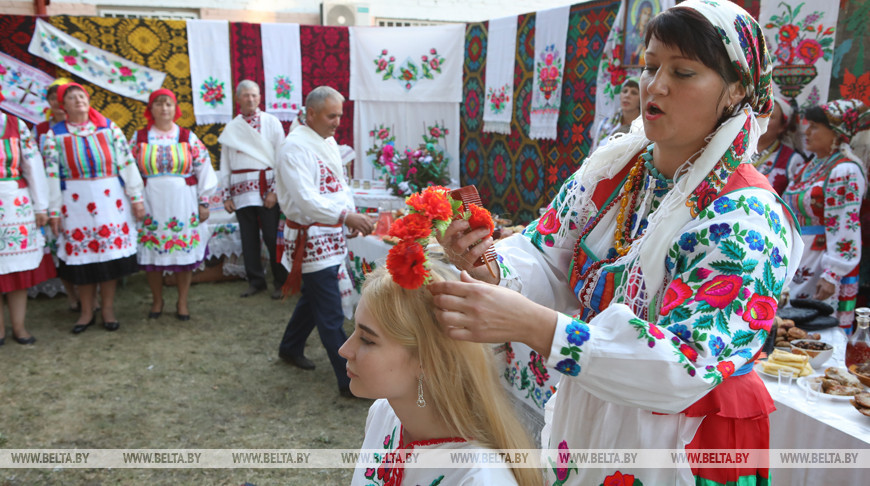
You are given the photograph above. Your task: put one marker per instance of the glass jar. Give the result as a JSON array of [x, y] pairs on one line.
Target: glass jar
[[385, 220], [858, 347]]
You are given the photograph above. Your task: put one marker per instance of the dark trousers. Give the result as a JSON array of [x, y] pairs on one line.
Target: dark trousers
[[319, 305], [252, 220]]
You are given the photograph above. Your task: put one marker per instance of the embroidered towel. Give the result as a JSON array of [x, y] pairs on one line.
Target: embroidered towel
[[23, 89], [407, 64], [208, 46], [406, 124], [551, 34], [282, 69], [501, 55], [100, 67]]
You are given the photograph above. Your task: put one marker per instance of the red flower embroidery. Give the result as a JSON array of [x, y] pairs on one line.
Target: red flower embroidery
[[107, 192], [69, 248], [78, 235], [94, 245], [119, 242], [125, 229], [104, 231], [405, 264], [760, 311], [619, 479], [549, 223], [562, 468], [676, 294], [23, 230], [75, 197], [726, 368], [92, 208], [414, 226], [655, 332], [119, 203], [788, 33], [720, 291], [689, 352]]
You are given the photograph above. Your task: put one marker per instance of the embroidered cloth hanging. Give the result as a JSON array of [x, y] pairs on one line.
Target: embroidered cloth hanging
[[282, 68], [551, 33], [97, 66], [407, 64], [208, 44], [23, 89], [500, 57]]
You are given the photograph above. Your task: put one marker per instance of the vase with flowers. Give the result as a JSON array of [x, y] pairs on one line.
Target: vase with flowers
[[414, 168], [800, 43]]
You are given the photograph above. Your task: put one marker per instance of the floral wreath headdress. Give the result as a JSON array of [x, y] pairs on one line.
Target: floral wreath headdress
[[432, 209]]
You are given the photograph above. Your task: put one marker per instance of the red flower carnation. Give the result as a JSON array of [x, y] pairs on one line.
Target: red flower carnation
[[433, 202], [405, 262], [414, 226], [480, 218]]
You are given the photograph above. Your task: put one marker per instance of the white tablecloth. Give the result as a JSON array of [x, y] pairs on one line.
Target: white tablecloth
[[369, 200]]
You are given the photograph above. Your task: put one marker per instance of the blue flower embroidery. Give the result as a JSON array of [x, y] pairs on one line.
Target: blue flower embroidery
[[724, 205], [775, 258], [688, 241], [716, 345], [755, 205], [774, 220], [568, 367], [719, 231], [681, 331], [578, 333], [756, 242]]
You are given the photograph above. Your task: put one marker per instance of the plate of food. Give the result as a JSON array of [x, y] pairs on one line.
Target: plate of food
[[861, 402], [837, 384], [783, 360]]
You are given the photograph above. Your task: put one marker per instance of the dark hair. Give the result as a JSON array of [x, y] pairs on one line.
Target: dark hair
[[631, 84], [817, 114], [51, 90], [696, 38]]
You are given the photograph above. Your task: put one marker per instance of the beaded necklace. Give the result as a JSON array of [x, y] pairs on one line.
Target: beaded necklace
[[622, 233]]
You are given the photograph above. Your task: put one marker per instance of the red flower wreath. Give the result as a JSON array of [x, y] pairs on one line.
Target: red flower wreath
[[407, 262]]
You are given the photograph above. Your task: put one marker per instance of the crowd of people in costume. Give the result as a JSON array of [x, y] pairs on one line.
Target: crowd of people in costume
[[695, 207]]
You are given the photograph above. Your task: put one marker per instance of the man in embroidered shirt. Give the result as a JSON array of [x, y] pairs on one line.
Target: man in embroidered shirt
[[248, 147], [318, 204]]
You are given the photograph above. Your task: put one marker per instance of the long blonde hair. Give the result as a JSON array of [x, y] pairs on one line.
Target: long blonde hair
[[459, 376]]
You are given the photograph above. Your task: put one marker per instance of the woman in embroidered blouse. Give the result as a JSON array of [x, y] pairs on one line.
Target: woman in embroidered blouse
[[629, 109], [23, 210], [432, 392], [179, 179], [826, 198], [651, 281], [775, 159], [87, 158]]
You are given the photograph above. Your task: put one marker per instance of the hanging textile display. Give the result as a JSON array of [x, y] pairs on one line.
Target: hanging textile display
[[404, 126], [282, 67], [23, 89], [800, 35], [499, 76], [208, 44], [326, 61], [420, 64], [102, 68], [551, 32]]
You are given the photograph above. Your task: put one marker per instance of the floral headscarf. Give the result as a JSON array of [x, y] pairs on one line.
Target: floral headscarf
[[696, 183], [847, 117]]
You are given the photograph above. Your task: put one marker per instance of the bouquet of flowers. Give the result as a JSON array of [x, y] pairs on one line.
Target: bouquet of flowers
[[804, 38], [414, 169], [430, 210]]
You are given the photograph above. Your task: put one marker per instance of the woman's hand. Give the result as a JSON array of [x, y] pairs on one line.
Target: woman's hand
[[41, 219], [824, 289], [54, 224], [463, 246], [470, 310], [138, 210], [271, 200], [203, 213]]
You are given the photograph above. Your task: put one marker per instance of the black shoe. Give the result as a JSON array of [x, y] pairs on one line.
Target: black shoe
[[251, 291], [298, 361], [80, 328], [155, 315], [182, 317], [112, 326], [19, 340]]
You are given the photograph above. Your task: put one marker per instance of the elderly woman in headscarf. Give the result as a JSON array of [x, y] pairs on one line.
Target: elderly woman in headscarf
[[629, 109], [651, 281], [826, 198], [775, 159], [179, 179], [95, 183]]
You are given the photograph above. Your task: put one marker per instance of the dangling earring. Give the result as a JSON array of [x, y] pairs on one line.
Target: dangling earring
[[835, 146], [421, 402], [729, 111]]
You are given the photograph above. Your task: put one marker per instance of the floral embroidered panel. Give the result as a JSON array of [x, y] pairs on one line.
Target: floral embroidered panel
[[210, 70], [282, 69], [23, 88], [419, 64], [97, 66]]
